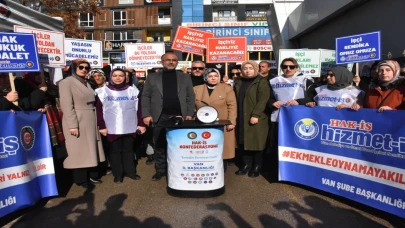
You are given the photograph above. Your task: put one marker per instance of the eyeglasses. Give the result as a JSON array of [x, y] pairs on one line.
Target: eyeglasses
[[292, 67], [332, 75], [170, 60], [198, 68], [237, 74], [83, 67]]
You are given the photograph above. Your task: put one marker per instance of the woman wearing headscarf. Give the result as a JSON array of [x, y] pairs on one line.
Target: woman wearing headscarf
[[387, 90], [339, 91], [83, 144], [119, 119], [252, 93], [289, 88], [222, 98], [97, 79]]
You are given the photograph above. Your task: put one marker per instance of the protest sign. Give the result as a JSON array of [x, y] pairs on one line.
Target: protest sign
[[26, 164], [356, 155], [191, 40], [144, 54], [18, 52], [328, 60], [227, 49], [91, 50], [358, 48], [50, 45], [309, 60], [181, 64]]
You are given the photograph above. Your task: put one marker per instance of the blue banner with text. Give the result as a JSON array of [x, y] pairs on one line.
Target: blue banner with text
[[358, 155], [18, 52], [26, 165]]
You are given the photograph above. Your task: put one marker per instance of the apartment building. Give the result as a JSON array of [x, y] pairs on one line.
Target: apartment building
[[128, 21]]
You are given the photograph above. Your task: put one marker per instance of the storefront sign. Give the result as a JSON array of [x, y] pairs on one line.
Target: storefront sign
[[18, 52], [91, 50], [110, 45], [309, 60], [229, 49], [232, 18], [225, 24], [194, 158], [358, 48], [191, 40], [221, 2], [256, 17], [50, 45], [260, 47], [153, 2], [144, 54], [116, 57]]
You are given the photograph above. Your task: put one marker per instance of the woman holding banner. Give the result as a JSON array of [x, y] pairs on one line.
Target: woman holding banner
[[222, 97], [252, 93], [290, 88], [83, 144], [340, 86], [387, 90]]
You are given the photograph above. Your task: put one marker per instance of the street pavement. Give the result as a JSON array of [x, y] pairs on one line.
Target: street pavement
[[247, 202]]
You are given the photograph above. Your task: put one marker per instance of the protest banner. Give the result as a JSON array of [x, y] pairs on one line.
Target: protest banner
[[183, 64], [91, 50], [358, 48], [26, 165], [191, 40], [227, 49], [356, 155], [328, 60], [18, 52], [50, 45], [144, 54], [309, 60]]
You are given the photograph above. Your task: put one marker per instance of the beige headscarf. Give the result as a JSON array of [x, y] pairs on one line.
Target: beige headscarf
[[254, 64]]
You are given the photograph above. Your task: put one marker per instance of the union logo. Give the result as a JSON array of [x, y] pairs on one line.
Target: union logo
[[27, 137], [192, 135], [306, 129]]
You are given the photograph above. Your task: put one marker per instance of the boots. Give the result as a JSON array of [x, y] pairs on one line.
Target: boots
[[243, 170], [255, 171]]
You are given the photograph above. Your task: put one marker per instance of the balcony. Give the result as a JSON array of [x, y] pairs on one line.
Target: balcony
[[230, 18]]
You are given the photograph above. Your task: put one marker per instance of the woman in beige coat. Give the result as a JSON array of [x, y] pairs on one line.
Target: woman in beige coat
[[83, 144], [222, 98]]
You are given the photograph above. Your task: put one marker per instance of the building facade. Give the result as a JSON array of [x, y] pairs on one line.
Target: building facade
[[128, 21]]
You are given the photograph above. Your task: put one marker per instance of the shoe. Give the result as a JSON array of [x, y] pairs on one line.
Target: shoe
[[95, 181], [108, 172], [243, 170], [118, 180], [150, 160], [134, 177], [86, 185], [158, 176], [255, 171]]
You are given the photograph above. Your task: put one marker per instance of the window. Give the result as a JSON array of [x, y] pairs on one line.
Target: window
[[164, 13], [224, 13], [158, 36], [86, 20], [252, 12], [89, 36], [119, 18], [122, 2], [128, 35]]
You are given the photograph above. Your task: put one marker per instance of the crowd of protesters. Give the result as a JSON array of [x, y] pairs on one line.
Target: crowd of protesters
[[102, 133]]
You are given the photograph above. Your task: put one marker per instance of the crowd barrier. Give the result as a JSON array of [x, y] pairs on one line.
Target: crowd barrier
[[358, 155]]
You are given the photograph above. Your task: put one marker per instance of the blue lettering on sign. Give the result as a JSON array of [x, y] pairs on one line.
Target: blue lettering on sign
[[9, 145], [120, 98], [286, 85]]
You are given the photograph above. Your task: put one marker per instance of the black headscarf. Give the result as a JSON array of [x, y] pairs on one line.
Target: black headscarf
[[343, 78]]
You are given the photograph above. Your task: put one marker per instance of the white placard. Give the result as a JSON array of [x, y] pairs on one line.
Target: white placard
[[50, 44], [328, 60], [91, 50], [182, 64], [144, 54], [309, 60]]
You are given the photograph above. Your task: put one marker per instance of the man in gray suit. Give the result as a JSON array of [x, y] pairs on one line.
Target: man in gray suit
[[166, 94]]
